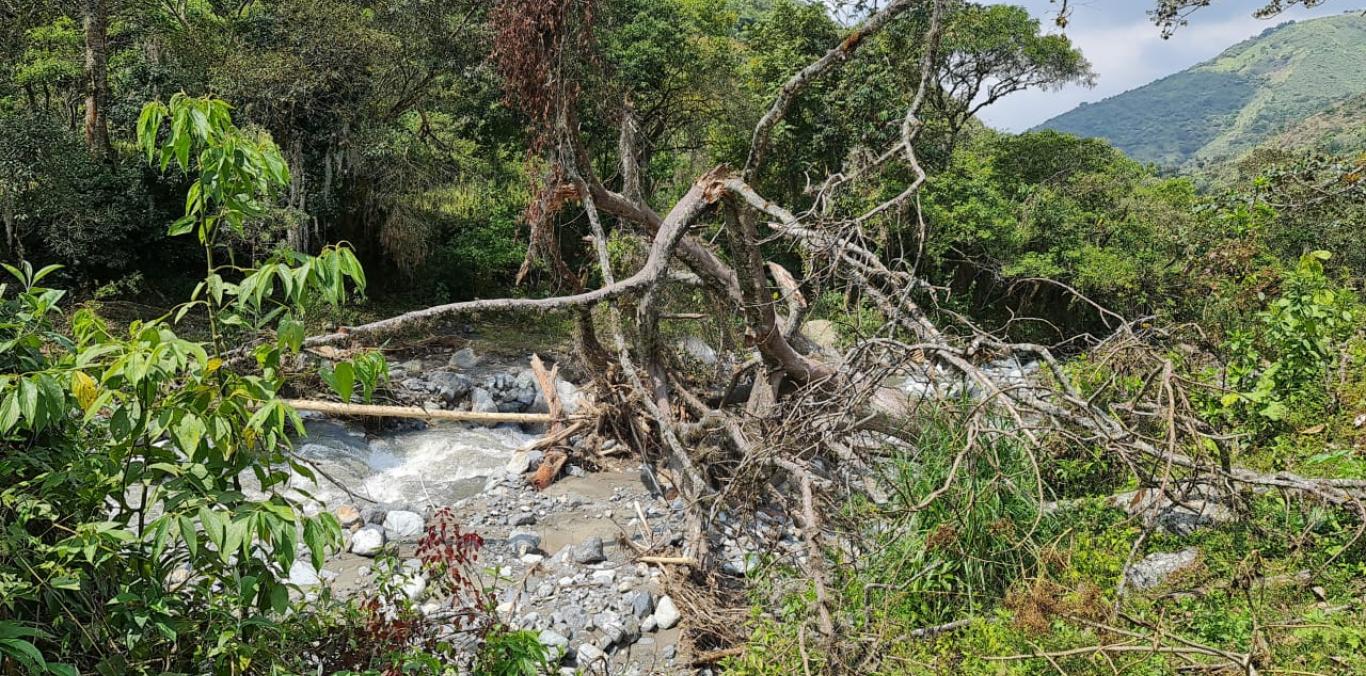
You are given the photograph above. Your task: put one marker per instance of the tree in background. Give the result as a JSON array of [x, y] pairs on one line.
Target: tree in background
[[96, 19]]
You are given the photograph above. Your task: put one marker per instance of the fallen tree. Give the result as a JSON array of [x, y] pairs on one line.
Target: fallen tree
[[814, 424]]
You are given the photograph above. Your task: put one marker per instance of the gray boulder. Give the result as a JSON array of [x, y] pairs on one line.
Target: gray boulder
[[524, 542], [464, 359], [589, 552], [482, 402]]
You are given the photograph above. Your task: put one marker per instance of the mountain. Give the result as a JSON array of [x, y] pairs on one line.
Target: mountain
[[1268, 85]]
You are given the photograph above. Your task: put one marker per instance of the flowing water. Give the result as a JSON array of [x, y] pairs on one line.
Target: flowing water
[[434, 466]]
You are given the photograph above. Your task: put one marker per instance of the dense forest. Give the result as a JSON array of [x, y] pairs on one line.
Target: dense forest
[[838, 378]]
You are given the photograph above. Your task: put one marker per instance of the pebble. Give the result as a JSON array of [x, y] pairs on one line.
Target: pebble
[[604, 577]]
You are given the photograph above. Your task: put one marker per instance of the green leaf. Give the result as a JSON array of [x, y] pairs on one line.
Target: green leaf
[[9, 413], [1275, 411], [190, 535], [279, 598], [28, 400], [342, 379], [214, 527], [291, 332], [189, 432]]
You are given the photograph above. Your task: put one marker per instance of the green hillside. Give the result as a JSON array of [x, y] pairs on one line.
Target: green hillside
[[1247, 95]]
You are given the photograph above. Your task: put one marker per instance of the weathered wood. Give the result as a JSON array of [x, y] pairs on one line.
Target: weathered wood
[[546, 381], [338, 408]]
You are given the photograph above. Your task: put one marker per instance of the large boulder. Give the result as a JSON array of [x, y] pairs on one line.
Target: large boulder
[[482, 402]]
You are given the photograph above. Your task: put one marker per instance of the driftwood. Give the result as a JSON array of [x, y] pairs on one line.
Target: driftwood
[[337, 408]]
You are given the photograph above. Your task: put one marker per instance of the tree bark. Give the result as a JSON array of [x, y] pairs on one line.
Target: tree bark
[[97, 77]]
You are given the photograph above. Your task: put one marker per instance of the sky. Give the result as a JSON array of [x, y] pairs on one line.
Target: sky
[[1127, 50]]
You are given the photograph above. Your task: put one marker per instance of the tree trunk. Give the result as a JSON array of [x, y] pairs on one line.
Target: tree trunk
[[97, 76]]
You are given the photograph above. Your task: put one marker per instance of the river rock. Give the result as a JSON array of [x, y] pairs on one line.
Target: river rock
[[666, 613], [589, 655], [553, 639], [349, 517], [456, 382], [464, 359], [570, 397], [1178, 517], [482, 402], [524, 461], [589, 552], [1156, 568], [524, 542], [642, 603], [303, 574], [400, 525], [414, 587], [367, 541]]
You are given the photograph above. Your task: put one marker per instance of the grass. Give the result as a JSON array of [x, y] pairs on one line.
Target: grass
[[1029, 582]]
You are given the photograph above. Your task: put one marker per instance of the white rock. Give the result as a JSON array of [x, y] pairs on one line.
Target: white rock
[[666, 613], [590, 655], [553, 639], [698, 349], [367, 541], [520, 462], [415, 587], [303, 574], [401, 525], [532, 559], [604, 577]]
